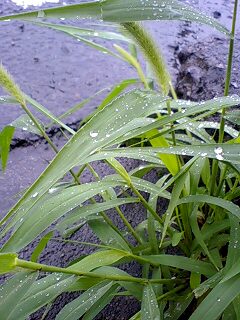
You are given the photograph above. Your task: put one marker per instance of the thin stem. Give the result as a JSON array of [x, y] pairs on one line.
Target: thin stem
[[226, 90], [229, 69], [45, 268]]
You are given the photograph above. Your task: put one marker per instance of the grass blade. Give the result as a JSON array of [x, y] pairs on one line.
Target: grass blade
[[13, 292], [217, 300], [5, 141], [76, 309], [149, 308], [122, 11]]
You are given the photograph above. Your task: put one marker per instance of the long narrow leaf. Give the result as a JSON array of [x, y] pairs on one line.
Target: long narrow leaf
[[217, 300], [122, 11]]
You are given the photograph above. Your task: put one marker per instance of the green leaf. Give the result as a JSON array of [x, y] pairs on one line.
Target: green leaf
[[85, 32], [120, 170], [170, 161], [234, 245], [41, 246], [223, 152], [176, 192], [135, 289], [122, 11], [209, 283], [13, 292], [190, 109], [98, 259], [26, 124], [49, 209], [233, 116], [7, 100], [210, 230], [198, 235], [217, 300], [180, 262], [225, 204], [76, 215], [5, 141], [8, 262], [69, 156], [176, 309], [47, 113], [108, 235], [41, 293], [101, 303], [149, 307], [176, 238], [76, 309]]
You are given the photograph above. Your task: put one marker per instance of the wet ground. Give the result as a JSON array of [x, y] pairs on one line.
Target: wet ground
[[59, 72]]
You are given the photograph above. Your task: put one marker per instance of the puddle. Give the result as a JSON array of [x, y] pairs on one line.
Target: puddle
[[37, 3]]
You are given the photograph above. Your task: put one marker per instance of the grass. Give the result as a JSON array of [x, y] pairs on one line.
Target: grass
[[198, 181]]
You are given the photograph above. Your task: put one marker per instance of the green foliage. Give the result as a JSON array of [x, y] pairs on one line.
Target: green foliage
[[198, 181], [5, 141]]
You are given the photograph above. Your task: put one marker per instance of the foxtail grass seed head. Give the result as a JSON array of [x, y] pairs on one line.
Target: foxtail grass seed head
[[9, 85]]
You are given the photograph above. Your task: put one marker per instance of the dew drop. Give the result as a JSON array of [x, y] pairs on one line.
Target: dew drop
[[41, 14], [35, 195], [93, 134], [219, 157], [218, 150]]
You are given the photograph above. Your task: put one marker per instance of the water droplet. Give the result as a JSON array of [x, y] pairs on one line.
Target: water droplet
[[35, 195], [52, 190], [41, 14], [93, 134], [219, 157], [218, 150]]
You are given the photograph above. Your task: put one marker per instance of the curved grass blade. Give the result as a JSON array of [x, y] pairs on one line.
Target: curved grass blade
[[209, 230], [135, 289], [217, 300], [191, 109], [51, 208], [91, 209], [85, 32], [198, 235], [122, 11], [34, 300], [26, 124], [176, 192], [47, 113], [101, 303], [234, 245], [5, 141], [13, 292], [149, 307], [108, 235], [184, 263], [41, 246], [225, 204], [69, 156], [78, 307], [222, 152]]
